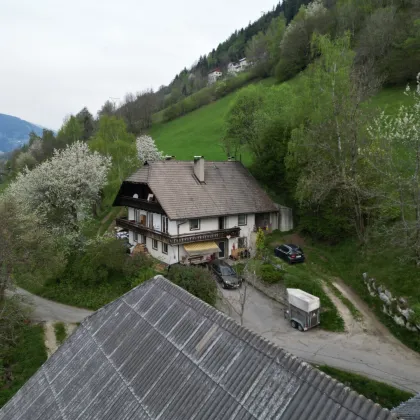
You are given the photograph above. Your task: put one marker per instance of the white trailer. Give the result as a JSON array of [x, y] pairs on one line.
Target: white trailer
[[303, 310]]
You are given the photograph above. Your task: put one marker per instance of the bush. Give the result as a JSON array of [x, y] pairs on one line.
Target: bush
[[195, 280], [206, 96], [21, 361], [269, 274]]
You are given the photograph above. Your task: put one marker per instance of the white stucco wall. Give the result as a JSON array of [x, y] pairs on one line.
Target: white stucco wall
[[170, 258], [232, 221], [206, 224]]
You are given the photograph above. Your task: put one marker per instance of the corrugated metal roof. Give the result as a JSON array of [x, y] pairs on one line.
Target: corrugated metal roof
[[159, 352], [200, 247], [409, 410], [229, 188]]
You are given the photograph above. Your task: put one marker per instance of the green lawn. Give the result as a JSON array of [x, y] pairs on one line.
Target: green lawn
[[199, 132], [390, 99], [22, 361], [385, 395], [89, 296]]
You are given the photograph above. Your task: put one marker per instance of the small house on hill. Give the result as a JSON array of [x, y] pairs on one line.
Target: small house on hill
[[160, 353], [214, 75], [188, 211]]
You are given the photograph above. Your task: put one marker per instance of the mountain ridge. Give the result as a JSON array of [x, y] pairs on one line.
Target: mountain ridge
[[14, 132]]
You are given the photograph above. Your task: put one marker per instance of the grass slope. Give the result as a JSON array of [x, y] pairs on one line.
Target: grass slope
[[199, 132], [385, 395], [22, 361]]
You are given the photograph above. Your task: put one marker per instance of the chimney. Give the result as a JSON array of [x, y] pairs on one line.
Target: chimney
[[199, 167]]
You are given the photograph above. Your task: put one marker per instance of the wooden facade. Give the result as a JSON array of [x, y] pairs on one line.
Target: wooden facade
[[213, 235]]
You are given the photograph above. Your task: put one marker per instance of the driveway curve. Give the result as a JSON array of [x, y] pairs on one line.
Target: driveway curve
[[372, 352], [47, 310]]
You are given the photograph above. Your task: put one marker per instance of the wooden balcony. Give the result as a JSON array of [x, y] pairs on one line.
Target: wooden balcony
[[139, 203], [185, 238]]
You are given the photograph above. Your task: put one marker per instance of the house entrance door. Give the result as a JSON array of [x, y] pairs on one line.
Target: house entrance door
[[222, 246]]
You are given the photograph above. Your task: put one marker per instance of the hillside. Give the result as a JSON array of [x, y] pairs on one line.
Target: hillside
[[201, 131], [14, 132]]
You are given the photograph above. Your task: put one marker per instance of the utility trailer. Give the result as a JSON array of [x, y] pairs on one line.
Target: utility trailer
[[303, 310]]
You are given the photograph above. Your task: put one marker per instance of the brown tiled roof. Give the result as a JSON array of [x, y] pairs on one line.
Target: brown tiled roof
[[229, 188]]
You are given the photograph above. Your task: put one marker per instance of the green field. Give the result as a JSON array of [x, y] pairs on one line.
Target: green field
[[199, 132]]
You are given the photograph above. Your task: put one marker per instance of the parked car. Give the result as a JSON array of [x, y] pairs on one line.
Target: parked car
[[290, 253], [225, 274]]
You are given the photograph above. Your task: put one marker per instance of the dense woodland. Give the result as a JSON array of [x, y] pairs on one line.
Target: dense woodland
[[349, 172]]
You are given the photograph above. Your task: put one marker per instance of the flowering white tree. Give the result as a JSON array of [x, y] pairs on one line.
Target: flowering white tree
[[395, 155], [147, 150], [63, 189]]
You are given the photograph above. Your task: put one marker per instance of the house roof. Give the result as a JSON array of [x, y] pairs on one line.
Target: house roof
[[409, 410], [159, 352], [229, 188]]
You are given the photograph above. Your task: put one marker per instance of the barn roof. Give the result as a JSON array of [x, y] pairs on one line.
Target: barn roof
[[229, 188], [409, 410], [159, 352]]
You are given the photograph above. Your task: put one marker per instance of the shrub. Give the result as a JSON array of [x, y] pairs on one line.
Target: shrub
[[60, 332], [269, 274], [206, 96], [195, 280]]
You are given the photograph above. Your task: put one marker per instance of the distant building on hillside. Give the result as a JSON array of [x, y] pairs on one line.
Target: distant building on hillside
[[214, 75], [241, 65]]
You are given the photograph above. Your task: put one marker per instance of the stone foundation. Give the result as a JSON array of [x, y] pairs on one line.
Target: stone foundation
[[395, 307]]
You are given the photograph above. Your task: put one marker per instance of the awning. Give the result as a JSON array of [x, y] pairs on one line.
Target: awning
[[201, 248]]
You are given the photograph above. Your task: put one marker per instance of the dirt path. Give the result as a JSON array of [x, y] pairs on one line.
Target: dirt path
[[47, 310], [367, 352], [352, 326], [49, 338]]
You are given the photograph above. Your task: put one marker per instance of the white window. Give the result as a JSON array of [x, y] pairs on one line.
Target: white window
[[164, 248], [194, 224], [137, 215], [164, 224], [155, 244], [135, 237], [241, 219]]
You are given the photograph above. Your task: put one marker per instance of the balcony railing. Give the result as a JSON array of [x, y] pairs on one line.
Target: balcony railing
[[140, 203], [185, 238]]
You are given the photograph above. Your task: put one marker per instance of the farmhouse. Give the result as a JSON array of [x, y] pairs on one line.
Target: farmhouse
[[234, 68], [214, 75], [192, 211], [160, 353]]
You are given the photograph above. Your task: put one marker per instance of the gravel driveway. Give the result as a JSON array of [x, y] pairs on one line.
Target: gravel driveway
[[47, 310], [371, 351]]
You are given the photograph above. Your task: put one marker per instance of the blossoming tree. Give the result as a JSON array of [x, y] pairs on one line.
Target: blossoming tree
[[147, 150], [63, 189]]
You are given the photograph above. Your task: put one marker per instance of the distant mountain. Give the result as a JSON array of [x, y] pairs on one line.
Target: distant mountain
[[14, 132]]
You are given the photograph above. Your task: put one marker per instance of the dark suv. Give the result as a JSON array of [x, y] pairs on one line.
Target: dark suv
[[225, 274], [290, 253]]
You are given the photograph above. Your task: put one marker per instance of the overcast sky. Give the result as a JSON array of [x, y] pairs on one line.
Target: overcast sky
[[58, 56]]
